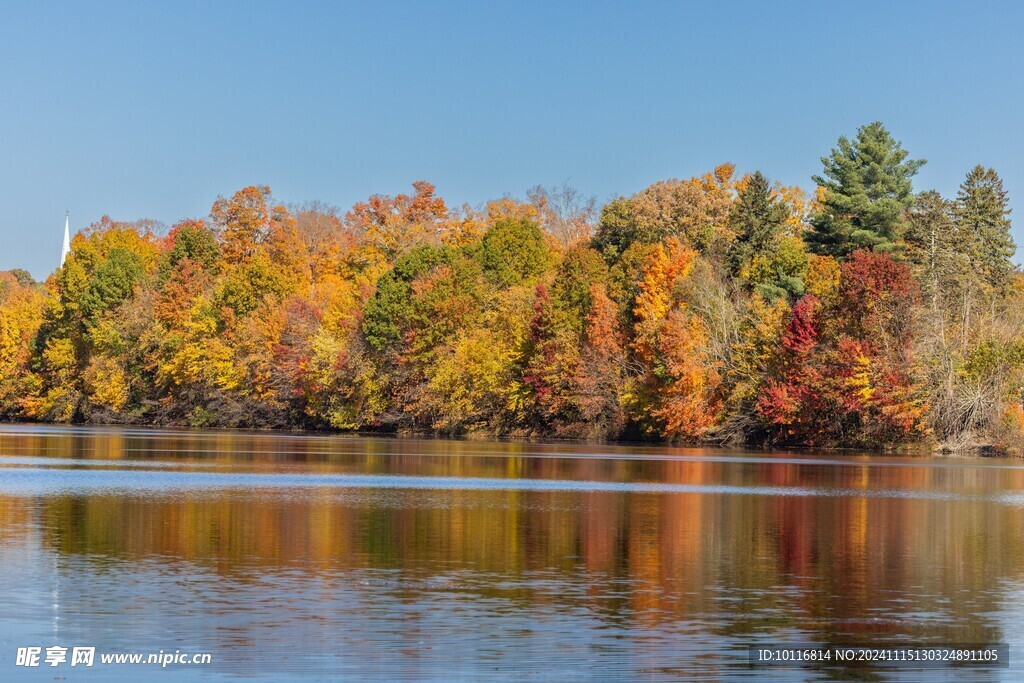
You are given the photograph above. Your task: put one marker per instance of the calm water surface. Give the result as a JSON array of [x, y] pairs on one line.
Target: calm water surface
[[318, 558]]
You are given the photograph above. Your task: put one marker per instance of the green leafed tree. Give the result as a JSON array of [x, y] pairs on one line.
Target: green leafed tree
[[513, 251], [112, 282], [193, 241], [391, 304], [867, 190], [757, 219], [618, 229]]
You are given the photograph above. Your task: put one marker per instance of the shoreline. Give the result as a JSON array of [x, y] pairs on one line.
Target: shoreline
[[923, 448]]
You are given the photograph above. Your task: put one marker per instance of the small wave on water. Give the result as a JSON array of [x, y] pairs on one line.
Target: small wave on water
[[55, 462], [49, 480]]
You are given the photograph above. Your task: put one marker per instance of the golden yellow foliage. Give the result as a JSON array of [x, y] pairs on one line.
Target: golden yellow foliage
[[106, 382], [663, 266], [822, 277]]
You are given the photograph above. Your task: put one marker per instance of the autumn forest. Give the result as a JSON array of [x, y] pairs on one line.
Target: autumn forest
[[722, 309]]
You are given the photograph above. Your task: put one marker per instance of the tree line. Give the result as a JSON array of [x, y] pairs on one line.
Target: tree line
[[722, 308]]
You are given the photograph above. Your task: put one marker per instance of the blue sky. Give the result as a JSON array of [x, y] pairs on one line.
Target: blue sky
[[141, 109]]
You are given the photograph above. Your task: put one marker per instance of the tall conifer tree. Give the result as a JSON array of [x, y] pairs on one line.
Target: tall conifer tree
[[983, 219], [757, 218], [867, 190]]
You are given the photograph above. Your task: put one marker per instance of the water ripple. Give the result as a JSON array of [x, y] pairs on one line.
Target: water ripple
[[34, 481]]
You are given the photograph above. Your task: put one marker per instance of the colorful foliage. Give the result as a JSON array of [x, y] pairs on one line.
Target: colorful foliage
[[691, 310]]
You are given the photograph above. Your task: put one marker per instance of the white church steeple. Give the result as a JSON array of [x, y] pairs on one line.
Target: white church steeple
[[66, 248]]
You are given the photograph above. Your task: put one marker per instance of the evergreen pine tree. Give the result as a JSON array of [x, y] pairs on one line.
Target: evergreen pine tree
[[756, 218], [867, 189], [983, 219]]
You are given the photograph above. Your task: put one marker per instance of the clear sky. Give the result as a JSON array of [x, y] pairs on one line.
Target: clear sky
[[142, 109]]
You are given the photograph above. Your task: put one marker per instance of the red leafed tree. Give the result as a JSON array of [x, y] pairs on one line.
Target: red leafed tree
[[552, 361], [844, 379], [791, 404], [801, 335], [876, 296]]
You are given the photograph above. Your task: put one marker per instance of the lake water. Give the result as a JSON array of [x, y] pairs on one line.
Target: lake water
[[327, 557]]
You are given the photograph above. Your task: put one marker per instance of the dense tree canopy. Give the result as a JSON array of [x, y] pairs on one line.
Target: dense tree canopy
[[717, 308]]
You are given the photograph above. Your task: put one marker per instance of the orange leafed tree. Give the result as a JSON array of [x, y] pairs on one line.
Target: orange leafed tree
[[391, 226], [683, 397], [602, 372]]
